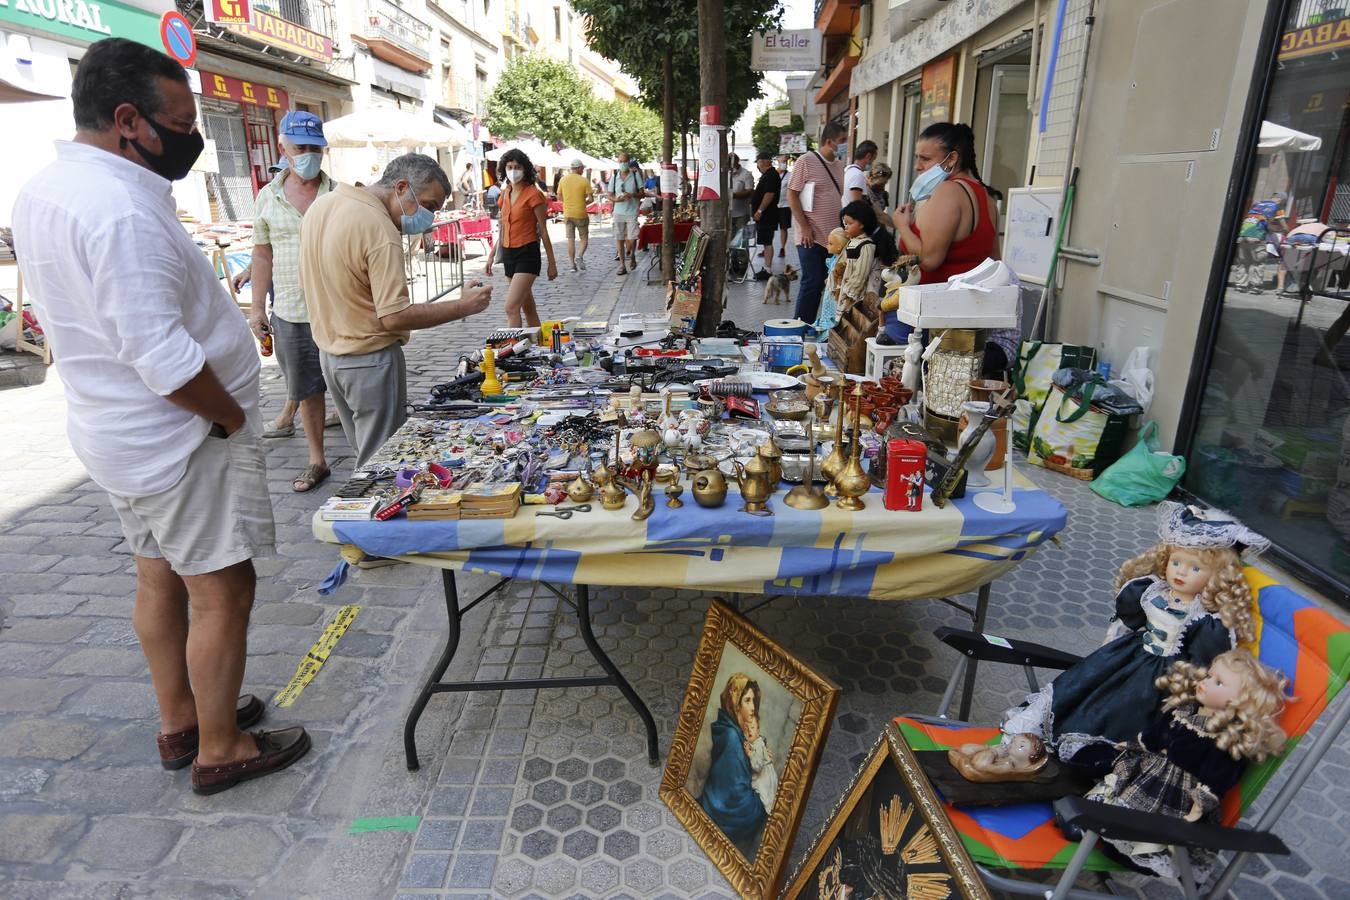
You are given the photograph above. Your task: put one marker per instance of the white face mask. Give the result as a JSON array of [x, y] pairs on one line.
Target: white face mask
[[515, 174]]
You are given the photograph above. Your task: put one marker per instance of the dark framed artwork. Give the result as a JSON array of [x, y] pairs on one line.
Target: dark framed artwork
[[745, 750], [887, 838]]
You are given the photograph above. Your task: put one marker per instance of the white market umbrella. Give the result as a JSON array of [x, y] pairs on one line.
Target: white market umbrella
[[587, 160], [1279, 139], [385, 127], [539, 154]]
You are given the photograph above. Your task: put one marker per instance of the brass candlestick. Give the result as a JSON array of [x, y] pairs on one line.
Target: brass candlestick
[[805, 495], [834, 463], [673, 491], [853, 482]]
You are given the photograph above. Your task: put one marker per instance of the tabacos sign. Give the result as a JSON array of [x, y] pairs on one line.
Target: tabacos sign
[[1323, 38], [223, 87], [84, 20], [275, 31]]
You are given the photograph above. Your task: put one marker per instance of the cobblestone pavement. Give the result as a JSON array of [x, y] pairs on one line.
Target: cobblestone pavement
[[523, 794]]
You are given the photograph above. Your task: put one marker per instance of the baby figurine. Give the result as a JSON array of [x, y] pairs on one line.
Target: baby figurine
[[1019, 758], [763, 776], [834, 276], [1185, 599], [1216, 719]]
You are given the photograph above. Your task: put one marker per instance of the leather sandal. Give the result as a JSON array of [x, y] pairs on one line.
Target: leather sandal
[[310, 478], [276, 751], [179, 748]]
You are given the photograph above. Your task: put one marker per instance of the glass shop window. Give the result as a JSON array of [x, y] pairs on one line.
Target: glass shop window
[[1273, 436]]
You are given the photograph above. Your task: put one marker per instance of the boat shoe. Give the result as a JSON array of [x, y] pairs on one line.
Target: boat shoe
[[276, 751], [178, 748]]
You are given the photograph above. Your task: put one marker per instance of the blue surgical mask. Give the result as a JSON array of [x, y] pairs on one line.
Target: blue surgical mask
[[928, 180], [420, 221], [841, 151], [306, 165]]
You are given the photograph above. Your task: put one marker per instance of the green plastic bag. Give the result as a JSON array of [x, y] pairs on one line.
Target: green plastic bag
[[1142, 476]]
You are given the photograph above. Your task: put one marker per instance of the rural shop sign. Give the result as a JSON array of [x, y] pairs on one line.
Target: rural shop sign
[[85, 21], [794, 50], [1323, 38], [223, 87], [275, 31]]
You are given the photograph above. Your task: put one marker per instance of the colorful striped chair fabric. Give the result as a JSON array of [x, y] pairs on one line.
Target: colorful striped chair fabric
[[1305, 642]]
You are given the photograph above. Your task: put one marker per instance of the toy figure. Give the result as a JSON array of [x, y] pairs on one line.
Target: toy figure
[[1020, 758], [834, 273], [909, 375], [1185, 600], [1216, 719]]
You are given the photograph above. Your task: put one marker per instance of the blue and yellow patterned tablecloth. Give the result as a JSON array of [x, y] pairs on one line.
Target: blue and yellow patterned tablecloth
[[874, 553]]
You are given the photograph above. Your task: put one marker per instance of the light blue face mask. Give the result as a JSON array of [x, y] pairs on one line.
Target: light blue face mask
[[306, 165], [928, 180], [420, 221]]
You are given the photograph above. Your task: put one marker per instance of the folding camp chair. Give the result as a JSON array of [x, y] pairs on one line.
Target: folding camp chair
[[1294, 635]]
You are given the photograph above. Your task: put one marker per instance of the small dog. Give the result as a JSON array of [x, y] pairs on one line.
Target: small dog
[[776, 288]]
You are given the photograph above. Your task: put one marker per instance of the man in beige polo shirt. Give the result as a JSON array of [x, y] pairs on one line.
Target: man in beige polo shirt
[[351, 266]]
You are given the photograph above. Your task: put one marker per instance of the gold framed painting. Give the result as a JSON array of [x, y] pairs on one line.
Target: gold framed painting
[[887, 837], [745, 750]]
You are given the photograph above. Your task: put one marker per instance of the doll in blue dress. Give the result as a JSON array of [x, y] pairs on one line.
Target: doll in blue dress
[[1184, 600], [834, 274]]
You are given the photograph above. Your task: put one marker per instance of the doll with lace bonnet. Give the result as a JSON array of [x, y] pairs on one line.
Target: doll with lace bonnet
[[1217, 718], [1184, 600]]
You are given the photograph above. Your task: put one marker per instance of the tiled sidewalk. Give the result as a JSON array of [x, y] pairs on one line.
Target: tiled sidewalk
[[545, 794]]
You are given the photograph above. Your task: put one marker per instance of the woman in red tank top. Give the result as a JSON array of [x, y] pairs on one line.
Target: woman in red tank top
[[954, 231]]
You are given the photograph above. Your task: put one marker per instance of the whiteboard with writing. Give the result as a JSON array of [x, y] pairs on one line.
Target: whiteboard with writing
[[1030, 228]]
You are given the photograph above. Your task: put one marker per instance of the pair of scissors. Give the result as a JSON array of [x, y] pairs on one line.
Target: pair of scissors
[[564, 512]]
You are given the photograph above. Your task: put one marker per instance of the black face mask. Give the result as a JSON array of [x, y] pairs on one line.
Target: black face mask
[[180, 151]]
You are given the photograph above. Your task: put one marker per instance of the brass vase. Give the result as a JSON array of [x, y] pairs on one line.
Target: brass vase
[[852, 482], [834, 463], [805, 495], [580, 490]]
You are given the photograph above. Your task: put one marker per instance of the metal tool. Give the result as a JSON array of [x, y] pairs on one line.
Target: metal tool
[[564, 512]]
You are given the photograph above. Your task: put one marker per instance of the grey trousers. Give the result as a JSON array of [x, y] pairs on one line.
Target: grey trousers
[[370, 394]]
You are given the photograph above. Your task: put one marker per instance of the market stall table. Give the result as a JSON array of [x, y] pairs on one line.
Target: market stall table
[[649, 235], [876, 553]]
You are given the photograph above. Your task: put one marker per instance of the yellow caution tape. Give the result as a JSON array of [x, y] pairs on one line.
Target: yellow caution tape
[[316, 656]]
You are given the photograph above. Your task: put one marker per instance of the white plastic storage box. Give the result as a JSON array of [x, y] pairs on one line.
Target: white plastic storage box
[[944, 306]]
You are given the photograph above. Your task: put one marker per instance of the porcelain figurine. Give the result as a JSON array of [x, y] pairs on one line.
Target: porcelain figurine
[[1020, 757]]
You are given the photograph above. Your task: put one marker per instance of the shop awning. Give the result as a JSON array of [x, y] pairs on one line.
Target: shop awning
[[461, 134], [384, 127], [1279, 139]]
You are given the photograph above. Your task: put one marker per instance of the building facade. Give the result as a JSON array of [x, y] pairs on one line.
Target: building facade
[[1169, 148]]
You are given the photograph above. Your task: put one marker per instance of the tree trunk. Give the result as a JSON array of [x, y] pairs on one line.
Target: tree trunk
[[712, 76], [668, 157]]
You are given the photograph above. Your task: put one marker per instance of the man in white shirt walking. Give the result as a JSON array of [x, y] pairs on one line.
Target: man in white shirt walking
[[855, 173], [742, 186], [161, 381]]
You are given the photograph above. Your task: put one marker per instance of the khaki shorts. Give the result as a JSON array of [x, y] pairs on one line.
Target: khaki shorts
[[625, 228], [217, 515], [578, 226]]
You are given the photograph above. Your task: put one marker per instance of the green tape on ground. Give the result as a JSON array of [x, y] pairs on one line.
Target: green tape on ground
[[384, 823]]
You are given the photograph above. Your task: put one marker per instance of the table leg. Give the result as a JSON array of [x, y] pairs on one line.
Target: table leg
[[977, 624], [615, 676], [452, 611]]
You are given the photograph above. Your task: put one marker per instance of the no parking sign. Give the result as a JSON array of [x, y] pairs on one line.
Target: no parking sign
[[179, 41]]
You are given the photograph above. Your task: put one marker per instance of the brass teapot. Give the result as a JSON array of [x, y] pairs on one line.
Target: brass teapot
[[773, 458], [710, 488], [756, 489]]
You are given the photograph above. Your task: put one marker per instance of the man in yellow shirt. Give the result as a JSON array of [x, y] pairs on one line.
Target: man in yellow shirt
[[575, 191]]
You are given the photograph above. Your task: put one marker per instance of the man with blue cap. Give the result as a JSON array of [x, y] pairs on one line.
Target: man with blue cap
[[277, 213]]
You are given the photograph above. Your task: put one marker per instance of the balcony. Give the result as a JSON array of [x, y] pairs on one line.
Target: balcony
[[516, 27], [836, 16], [842, 53], [459, 95], [396, 36]]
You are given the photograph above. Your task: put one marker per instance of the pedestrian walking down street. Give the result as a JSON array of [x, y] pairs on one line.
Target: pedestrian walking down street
[[161, 382], [742, 186], [855, 173], [524, 226], [625, 187], [275, 273], [764, 202], [468, 188], [784, 211], [813, 194], [575, 192], [351, 264]]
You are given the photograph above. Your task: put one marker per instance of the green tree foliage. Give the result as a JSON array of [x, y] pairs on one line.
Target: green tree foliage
[[765, 136], [544, 98], [619, 125]]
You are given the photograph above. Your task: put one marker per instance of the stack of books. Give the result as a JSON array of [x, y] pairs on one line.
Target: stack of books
[[437, 503], [482, 500]]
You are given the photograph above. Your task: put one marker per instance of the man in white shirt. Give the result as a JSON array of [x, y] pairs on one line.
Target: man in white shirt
[[742, 185], [161, 382], [855, 173]]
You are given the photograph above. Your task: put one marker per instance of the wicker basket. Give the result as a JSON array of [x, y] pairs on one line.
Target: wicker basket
[[1066, 469]]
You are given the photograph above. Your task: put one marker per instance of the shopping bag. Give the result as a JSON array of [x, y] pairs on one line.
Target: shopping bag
[[1142, 476], [1033, 377], [1073, 436]]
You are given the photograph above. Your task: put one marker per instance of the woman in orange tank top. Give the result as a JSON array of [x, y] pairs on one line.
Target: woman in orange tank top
[[522, 227], [955, 229]]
